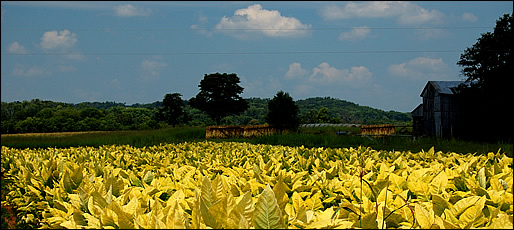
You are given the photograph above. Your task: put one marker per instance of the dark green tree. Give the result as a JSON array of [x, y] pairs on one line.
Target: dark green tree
[[488, 66], [173, 109], [283, 112], [219, 96]]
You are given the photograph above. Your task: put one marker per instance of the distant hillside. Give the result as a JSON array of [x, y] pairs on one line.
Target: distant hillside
[[48, 116], [349, 112], [339, 111]]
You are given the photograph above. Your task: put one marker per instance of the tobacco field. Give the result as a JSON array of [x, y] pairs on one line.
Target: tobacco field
[[241, 185]]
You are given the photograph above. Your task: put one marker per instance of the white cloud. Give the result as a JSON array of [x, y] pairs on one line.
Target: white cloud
[[129, 10], [469, 17], [255, 20], [355, 34], [404, 12], [422, 68], [324, 74], [16, 48], [354, 77], [58, 40], [296, 71]]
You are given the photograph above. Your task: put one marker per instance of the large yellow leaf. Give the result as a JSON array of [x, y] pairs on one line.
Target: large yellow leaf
[[462, 205], [439, 183], [385, 193], [246, 207], [176, 217], [481, 178], [207, 199], [473, 212], [397, 183], [439, 204], [267, 213], [424, 217], [314, 202], [279, 190]]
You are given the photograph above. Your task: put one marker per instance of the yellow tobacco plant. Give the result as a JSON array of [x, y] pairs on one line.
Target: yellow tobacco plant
[[241, 185]]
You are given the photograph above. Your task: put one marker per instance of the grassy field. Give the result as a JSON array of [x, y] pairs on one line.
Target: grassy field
[[308, 137]]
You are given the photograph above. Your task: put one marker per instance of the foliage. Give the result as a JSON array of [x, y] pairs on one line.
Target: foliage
[[219, 96], [47, 116], [283, 112], [341, 111], [488, 66], [173, 109], [240, 185], [37, 116]]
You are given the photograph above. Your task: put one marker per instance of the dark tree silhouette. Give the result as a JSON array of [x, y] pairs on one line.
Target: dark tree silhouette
[[173, 109], [283, 112], [488, 66], [219, 96]]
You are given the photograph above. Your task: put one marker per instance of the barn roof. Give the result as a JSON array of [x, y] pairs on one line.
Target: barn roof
[[418, 111], [443, 87]]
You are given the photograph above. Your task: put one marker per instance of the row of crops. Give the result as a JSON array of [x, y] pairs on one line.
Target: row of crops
[[241, 185]]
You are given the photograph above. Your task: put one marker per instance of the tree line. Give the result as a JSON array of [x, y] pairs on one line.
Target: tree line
[[37, 116]]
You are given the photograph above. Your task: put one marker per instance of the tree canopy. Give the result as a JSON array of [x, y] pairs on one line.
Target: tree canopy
[[283, 112], [173, 109], [219, 96], [488, 66]]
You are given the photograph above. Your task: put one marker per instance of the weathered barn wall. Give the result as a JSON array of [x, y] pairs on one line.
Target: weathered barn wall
[[442, 112], [386, 129], [238, 131]]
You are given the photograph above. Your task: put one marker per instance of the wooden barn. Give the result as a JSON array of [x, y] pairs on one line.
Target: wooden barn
[[441, 113]]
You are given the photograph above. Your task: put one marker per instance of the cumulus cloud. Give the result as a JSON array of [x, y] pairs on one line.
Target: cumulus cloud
[[325, 74], [16, 48], [421, 68], [129, 10], [354, 77], [355, 34], [296, 71], [254, 19], [58, 40], [404, 12]]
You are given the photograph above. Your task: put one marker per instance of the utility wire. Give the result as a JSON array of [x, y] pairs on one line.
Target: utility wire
[[234, 53], [243, 53], [248, 29]]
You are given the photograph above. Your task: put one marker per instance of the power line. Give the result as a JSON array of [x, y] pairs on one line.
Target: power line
[[243, 53], [234, 53], [249, 29]]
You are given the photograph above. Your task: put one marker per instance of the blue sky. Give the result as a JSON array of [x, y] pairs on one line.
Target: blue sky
[[377, 54]]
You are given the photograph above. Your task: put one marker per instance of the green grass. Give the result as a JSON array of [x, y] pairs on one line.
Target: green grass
[[308, 137], [96, 139]]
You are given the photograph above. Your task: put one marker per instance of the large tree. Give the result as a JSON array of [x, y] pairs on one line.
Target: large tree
[[488, 66], [173, 109], [219, 96], [283, 112]]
